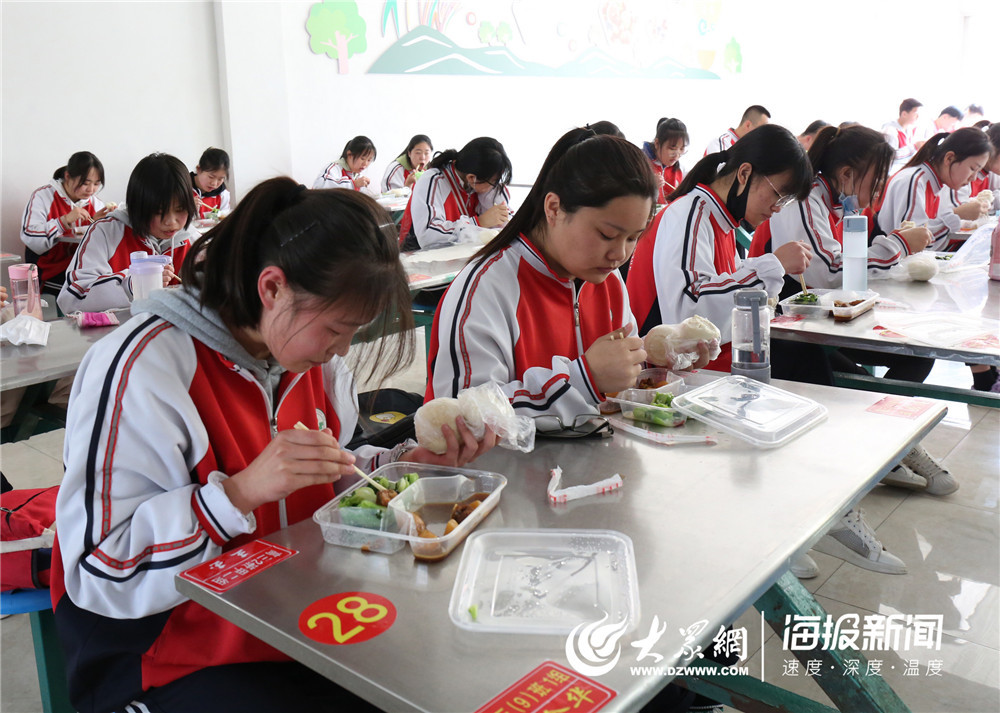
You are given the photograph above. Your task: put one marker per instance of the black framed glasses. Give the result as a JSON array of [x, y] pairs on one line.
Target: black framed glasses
[[584, 425]]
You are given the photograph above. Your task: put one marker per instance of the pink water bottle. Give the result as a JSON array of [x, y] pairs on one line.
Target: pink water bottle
[[995, 253], [24, 290]]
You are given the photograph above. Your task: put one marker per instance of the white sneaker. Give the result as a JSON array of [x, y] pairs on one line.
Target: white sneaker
[[853, 540], [903, 477], [804, 567], [939, 480]]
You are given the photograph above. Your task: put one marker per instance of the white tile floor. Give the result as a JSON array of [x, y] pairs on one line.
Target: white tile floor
[[950, 544]]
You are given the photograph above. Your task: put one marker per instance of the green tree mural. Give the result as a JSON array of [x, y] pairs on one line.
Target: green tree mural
[[337, 30]]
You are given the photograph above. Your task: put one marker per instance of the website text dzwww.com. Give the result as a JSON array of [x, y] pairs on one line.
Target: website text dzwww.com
[[689, 671]]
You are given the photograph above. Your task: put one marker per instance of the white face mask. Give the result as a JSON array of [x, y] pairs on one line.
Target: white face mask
[[25, 329]]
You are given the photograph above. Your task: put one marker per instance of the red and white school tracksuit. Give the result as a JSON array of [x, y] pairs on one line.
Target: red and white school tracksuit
[[41, 231], [396, 174], [337, 175], [902, 139], [817, 221], [439, 206], [670, 176], [916, 194], [686, 265], [510, 320], [98, 276], [722, 143]]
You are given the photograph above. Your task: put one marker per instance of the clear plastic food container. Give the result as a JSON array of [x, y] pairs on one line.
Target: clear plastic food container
[[545, 581], [812, 309], [852, 304], [637, 404], [656, 378], [759, 413], [431, 496]]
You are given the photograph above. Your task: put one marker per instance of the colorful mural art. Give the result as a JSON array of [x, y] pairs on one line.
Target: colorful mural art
[[673, 39]]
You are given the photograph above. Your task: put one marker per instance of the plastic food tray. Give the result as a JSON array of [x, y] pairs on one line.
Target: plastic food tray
[[437, 484], [632, 400], [819, 309], [759, 413], [845, 314], [657, 374], [545, 581]]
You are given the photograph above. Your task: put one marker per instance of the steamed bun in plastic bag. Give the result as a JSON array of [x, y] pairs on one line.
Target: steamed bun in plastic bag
[[429, 419], [675, 346], [479, 406], [921, 267]]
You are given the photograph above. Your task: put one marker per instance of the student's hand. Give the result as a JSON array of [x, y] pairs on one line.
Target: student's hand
[[494, 216], [361, 181], [462, 447], [3, 295], [973, 210], [103, 212], [615, 360], [293, 460], [71, 218], [411, 179], [916, 238], [169, 276], [794, 257]]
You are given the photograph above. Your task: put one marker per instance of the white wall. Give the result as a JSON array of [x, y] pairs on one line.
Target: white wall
[[180, 76], [119, 79]]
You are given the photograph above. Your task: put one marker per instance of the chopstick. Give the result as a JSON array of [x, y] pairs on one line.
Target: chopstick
[[802, 281], [299, 426]]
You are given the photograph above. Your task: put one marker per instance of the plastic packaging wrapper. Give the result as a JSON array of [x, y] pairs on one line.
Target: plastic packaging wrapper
[[95, 319], [675, 346], [480, 406], [474, 235], [25, 329], [575, 492]]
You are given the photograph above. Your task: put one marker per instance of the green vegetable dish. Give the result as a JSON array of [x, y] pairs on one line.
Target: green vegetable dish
[[365, 509], [656, 415], [806, 298]]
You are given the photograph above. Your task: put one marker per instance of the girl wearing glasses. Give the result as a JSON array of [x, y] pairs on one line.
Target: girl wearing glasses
[[541, 310], [851, 165], [62, 209], [459, 189], [193, 450], [687, 263], [946, 161], [664, 152]]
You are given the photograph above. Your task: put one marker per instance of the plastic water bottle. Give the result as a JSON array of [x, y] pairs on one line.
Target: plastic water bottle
[[856, 253], [25, 293], [146, 272], [751, 336]]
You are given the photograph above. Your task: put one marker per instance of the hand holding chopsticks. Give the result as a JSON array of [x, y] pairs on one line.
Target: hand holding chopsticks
[[299, 426]]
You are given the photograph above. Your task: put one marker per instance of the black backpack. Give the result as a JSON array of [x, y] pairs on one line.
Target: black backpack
[[385, 418]]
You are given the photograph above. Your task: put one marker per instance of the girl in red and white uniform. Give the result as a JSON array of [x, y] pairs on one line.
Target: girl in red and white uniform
[[542, 310], [406, 168], [56, 211], [195, 452], [98, 277], [348, 170], [460, 189], [851, 166], [687, 263], [987, 179], [916, 193], [664, 153], [209, 182]]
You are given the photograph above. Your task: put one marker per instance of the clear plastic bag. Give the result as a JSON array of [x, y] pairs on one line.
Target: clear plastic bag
[[667, 345], [486, 405]]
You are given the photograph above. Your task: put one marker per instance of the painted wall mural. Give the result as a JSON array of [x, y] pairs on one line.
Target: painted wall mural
[[673, 39]]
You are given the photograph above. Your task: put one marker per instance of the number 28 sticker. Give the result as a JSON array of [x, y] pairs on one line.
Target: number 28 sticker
[[347, 618]]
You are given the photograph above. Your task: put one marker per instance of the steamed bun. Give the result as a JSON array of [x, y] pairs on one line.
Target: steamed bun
[[472, 412], [698, 328], [986, 198], [429, 419], [922, 267], [658, 344]]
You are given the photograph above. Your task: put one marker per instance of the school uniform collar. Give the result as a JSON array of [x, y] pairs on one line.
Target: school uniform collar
[[717, 205], [936, 183], [534, 257], [60, 189], [451, 175], [404, 161], [342, 162], [827, 189]]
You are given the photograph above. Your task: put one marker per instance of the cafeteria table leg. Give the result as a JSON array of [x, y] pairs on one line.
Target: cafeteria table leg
[[855, 693]]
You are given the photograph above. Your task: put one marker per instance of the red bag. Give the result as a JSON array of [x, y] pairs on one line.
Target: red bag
[[27, 519]]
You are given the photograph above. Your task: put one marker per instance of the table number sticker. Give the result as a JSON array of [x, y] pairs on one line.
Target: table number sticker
[[985, 341], [230, 568], [347, 618], [548, 689], [902, 406]]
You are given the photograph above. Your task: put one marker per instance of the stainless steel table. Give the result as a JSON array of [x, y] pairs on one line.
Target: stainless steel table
[[969, 293], [26, 364], [714, 527]]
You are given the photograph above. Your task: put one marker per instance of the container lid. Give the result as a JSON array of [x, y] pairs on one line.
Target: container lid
[[856, 224], [759, 413], [146, 268], [750, 297], [545, 581], [23, 271]]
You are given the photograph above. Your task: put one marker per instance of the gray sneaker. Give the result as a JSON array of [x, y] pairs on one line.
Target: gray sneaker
[[939, 480], [804, 567], [903, 477], [853, 540]]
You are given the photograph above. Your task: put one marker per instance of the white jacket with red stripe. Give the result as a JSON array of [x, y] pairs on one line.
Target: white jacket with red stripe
[[338, 175], [722, 143], [162, 411], [817, 221], [901, 138], [440, 206], [512, 321], [396, 174], [691, 267], [915, 194]]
